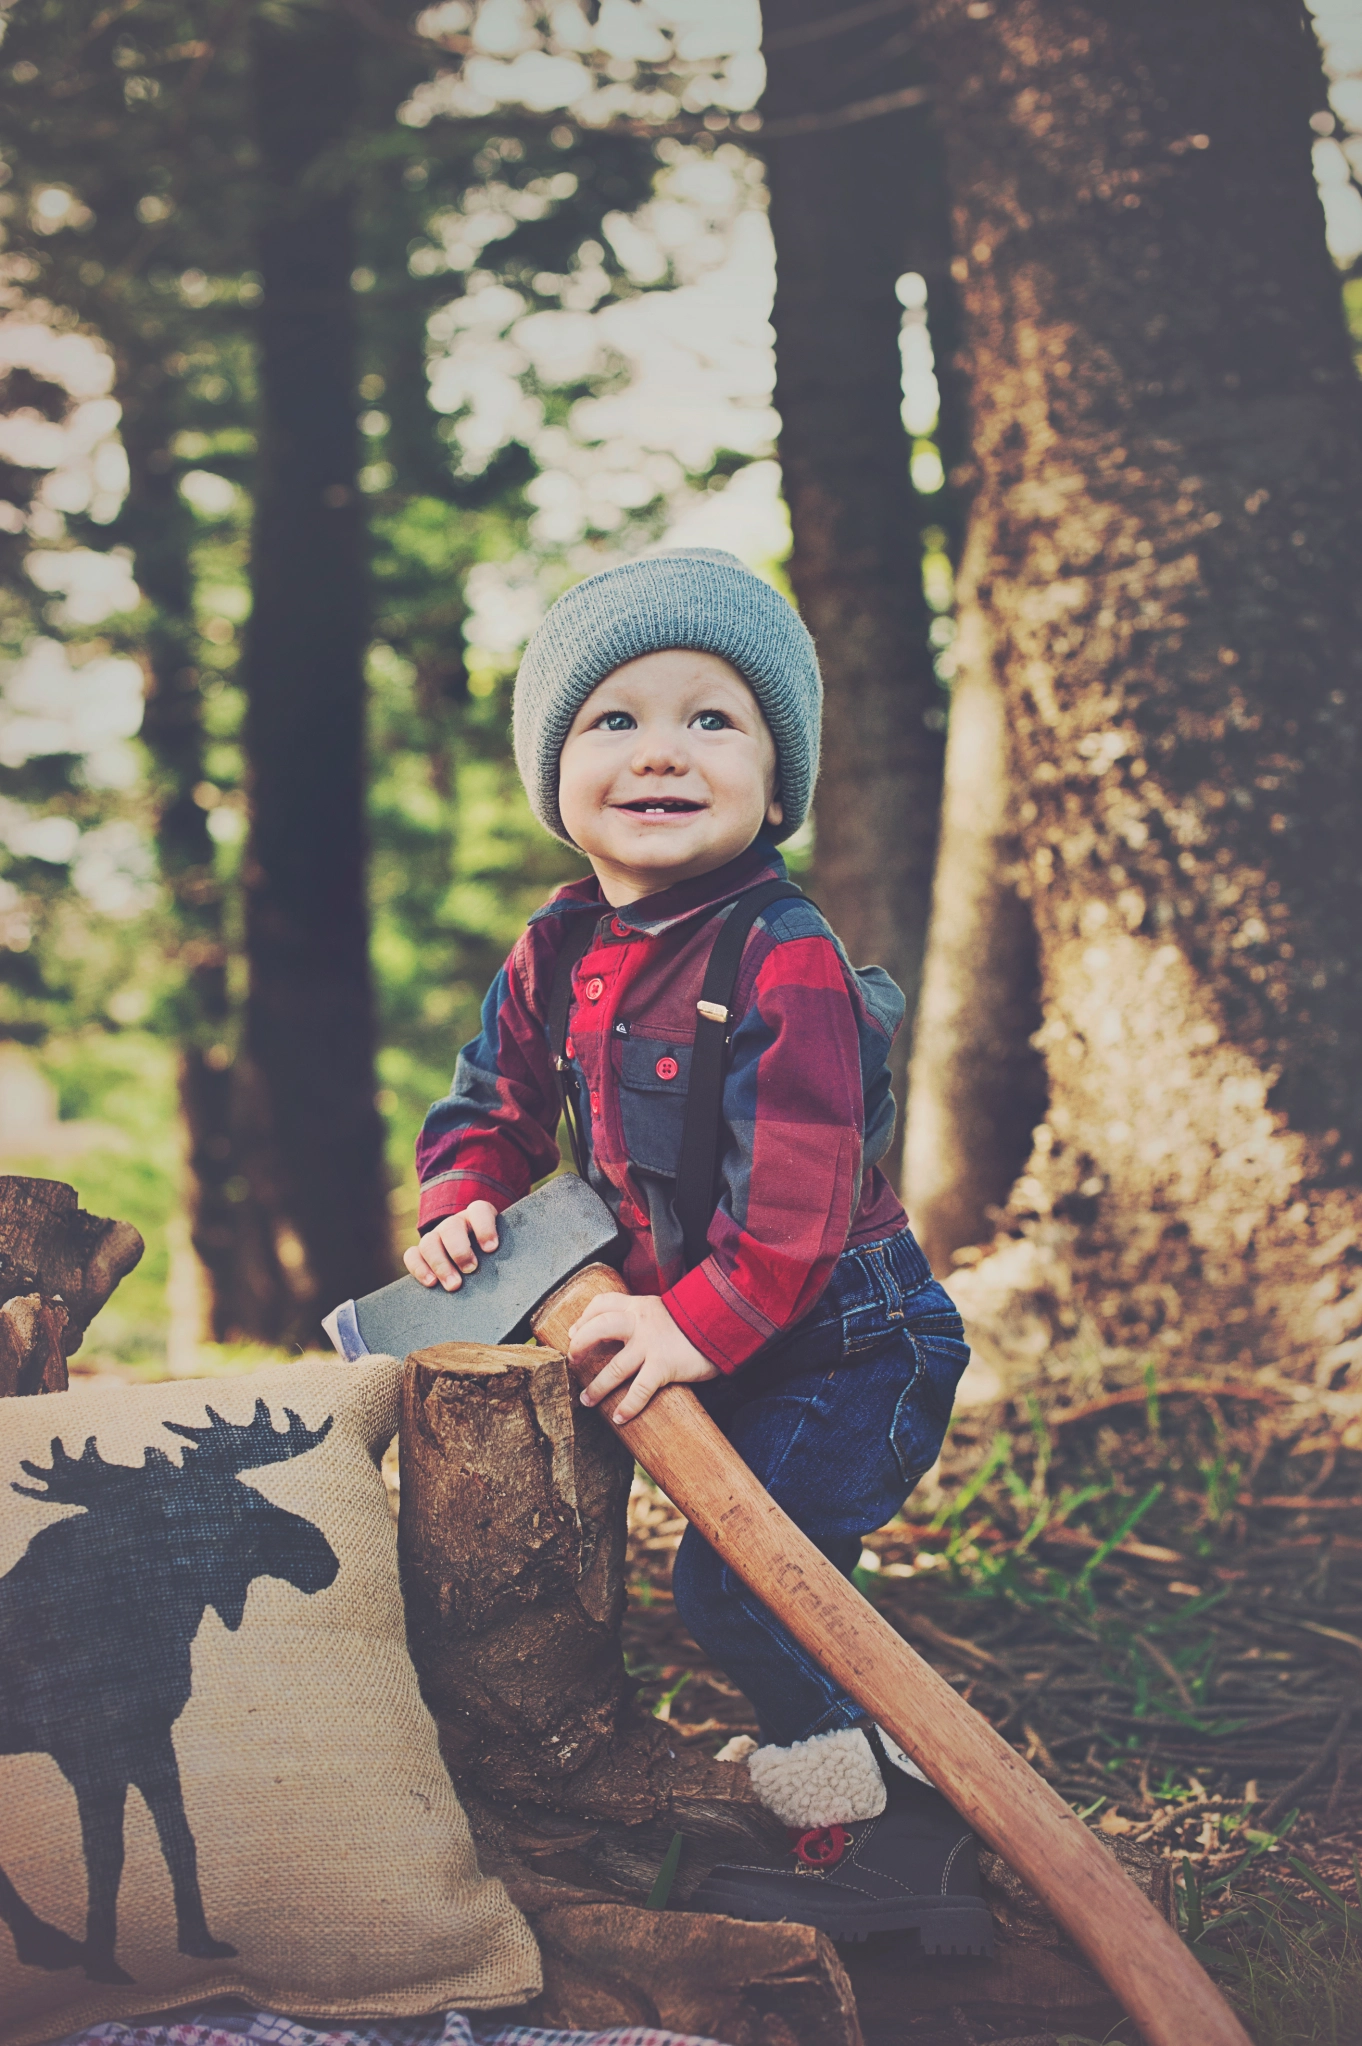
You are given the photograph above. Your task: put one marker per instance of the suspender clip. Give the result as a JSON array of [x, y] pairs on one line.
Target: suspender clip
[[713, 1012]]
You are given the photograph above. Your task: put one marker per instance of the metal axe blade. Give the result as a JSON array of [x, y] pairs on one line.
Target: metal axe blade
[[543, 1240]]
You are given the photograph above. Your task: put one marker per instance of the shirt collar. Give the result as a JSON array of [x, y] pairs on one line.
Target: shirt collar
[[652, 914]]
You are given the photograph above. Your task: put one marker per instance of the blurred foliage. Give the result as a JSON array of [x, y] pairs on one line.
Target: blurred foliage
[[127, 200]]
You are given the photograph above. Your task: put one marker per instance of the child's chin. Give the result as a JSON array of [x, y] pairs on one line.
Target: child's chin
[[665, 839]]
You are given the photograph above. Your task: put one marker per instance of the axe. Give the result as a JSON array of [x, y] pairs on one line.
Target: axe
[[1014, 1810]]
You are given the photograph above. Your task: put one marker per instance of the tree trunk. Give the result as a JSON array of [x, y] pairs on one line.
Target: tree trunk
[[847, 222], [58, 1266], [1167, 438], [231, 1231], [977, 1087], [310, 1011]]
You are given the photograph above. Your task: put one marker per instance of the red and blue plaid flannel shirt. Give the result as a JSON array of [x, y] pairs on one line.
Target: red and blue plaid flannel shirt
[[807, 1107]]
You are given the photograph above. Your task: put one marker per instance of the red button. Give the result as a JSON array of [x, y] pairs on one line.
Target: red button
[[570, 1048], [667, 1069], [594, 989], [595, 1104], [620, 930]]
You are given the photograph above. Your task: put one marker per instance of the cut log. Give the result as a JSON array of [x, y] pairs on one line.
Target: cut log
[[512, 1537], [512, 1534], [31, 1356], [58, 1266]]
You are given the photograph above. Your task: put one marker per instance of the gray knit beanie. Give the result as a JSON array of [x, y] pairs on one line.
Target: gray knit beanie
[[694, 597]]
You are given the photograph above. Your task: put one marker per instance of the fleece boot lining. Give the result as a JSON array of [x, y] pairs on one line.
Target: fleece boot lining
[[831, 1780]]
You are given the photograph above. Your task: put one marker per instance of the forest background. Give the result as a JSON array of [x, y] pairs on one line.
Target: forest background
[[337, 340]]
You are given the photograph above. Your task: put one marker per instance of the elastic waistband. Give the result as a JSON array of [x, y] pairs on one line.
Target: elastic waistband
[[900, 1253]]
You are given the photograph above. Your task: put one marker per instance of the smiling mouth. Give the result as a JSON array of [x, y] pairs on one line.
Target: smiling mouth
[[661, 806]]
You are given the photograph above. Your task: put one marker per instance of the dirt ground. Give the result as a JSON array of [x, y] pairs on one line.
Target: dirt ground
[[1156, 1596]]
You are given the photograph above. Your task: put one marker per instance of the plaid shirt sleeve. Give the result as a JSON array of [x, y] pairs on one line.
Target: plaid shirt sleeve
[[495, 1133], [792, 1175]]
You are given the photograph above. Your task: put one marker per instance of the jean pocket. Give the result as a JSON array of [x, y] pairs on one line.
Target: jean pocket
[[923, 1413]]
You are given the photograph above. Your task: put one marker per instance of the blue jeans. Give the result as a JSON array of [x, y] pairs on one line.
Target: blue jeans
[[839, 1418]]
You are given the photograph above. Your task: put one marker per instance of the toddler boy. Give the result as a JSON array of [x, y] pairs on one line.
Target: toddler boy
[[667, 719]]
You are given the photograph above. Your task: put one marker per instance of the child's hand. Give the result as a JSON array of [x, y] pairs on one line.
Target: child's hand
[[655, 1352], [447, 1249]]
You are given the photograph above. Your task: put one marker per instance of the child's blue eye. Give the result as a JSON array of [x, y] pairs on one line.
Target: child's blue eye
[[616, 721], [712, 721]]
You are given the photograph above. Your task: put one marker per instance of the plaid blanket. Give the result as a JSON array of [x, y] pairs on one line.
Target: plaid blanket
[[445, 2028]]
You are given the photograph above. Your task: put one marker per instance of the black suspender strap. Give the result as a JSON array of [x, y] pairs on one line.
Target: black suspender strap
[[572, 950], [696, 1180]]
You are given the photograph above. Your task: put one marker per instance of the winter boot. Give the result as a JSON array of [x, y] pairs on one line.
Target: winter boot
[[873, 1848]]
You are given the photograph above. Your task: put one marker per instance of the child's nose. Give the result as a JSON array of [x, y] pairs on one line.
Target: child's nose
[[660, 752]]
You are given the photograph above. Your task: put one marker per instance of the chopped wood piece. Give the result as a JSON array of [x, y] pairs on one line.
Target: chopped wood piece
[[752, 1985], [512, 1541], [58, 1266], [512, 1534], [31, 1358]]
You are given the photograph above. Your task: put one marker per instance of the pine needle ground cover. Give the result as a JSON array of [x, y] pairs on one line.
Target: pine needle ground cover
[[1156, 1596]]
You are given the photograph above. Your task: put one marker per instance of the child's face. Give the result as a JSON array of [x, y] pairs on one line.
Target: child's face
[[668, 772]]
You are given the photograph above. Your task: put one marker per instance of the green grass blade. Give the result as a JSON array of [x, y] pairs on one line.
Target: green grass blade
[[1330, 1896], [1132, 1520], [666, 1876]]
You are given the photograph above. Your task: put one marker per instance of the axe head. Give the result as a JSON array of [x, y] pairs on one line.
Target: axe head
[[542, 1241]]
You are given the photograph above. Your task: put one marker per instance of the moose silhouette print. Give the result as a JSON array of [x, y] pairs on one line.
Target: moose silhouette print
[[97, 1619]]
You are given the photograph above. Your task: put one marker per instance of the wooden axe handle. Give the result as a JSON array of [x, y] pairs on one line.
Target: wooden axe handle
[[1137, 1953]]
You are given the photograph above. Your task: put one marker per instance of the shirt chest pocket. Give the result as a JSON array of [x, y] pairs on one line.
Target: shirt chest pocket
[[653, 1077]]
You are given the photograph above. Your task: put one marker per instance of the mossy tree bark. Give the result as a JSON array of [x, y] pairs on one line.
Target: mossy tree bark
[[854, 205], [310, 1011], [1167, 536]]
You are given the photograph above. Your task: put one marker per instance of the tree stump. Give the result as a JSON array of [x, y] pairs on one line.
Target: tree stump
[[58, 1266]]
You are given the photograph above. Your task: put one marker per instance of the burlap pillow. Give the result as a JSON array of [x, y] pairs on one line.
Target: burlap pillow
[[199, 1604]]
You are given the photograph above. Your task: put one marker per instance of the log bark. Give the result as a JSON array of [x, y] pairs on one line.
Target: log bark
[[852, 208], [1167, 438], [752, 1985], [512, 1535], [31, 1355], [310, 1011], [58, 1266], [512, 1543], [976, 1087]]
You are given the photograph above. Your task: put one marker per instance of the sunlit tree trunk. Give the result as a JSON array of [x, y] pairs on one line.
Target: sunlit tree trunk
[[852, 209], [310, 1010], [977, 1086], [1166, 547]]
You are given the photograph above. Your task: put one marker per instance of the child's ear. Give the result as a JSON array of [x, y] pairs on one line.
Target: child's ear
[[775, 811]]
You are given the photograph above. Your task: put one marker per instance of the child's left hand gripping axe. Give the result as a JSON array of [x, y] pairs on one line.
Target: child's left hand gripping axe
[[551, 1234]]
